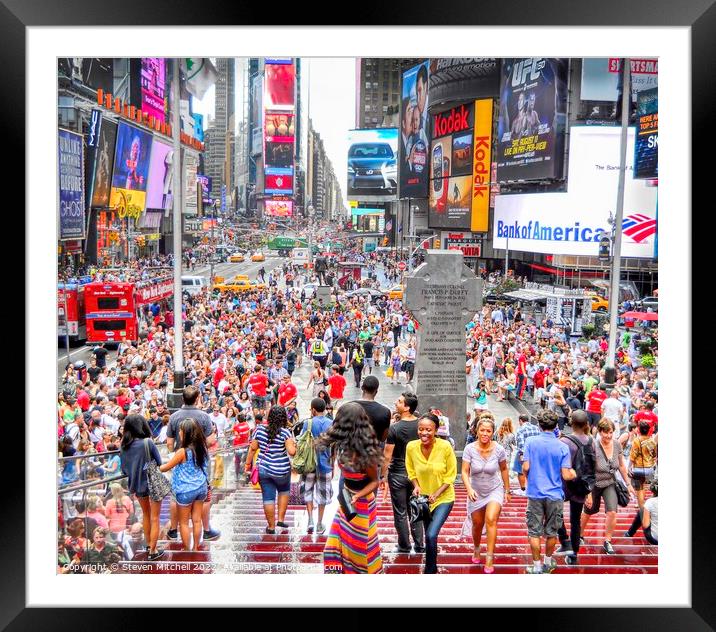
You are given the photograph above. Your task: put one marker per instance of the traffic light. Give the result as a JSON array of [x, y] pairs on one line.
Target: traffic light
[[604, 248]]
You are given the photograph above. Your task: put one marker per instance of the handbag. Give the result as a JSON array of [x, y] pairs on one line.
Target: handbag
[[389, 372], [345, 500], [622, 493], [158, 484]]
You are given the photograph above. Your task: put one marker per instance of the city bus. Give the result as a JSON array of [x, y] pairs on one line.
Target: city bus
[[112, 308], [71, 309]]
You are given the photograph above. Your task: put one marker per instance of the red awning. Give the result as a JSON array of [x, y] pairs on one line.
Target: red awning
[[570, 273], [640, 316]]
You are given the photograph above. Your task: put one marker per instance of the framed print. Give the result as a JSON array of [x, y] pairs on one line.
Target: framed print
[[677, 596]]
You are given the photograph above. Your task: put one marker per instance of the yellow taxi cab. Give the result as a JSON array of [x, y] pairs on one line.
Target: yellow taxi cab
[[255, 285], [396, 292], [236, 258], [218, 279], [241, 277], [259, 256], [599, 303], [234, 286]]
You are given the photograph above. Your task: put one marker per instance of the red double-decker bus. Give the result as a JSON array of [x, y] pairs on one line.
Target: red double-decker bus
[[71, 310], [112, 308]]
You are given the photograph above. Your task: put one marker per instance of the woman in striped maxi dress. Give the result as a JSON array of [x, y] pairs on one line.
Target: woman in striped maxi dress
[[352, 545]]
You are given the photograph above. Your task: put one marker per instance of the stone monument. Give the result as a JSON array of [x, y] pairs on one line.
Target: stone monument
[[442, 295]]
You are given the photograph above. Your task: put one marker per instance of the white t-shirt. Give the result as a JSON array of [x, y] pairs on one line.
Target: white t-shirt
[[652, 506]]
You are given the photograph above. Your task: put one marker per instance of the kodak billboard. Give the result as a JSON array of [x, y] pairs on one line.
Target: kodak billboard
[[481, 161]]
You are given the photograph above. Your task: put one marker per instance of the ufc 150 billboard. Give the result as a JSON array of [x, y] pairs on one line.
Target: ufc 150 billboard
[[533, 116]]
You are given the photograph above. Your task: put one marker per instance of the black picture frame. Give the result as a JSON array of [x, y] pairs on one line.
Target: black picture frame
[[699, 15]]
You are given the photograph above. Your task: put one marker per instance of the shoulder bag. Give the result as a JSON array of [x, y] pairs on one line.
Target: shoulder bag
[[619, 486], [158, 484]]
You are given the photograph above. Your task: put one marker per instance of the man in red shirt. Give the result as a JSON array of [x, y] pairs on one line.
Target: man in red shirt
[[521, 373], [258, 386], [336, 385], [242, 438], [595, 399], [287, 391], [647, 414]]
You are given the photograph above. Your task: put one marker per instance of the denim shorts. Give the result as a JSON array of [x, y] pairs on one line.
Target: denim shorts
[[489, 374], [187, 498], [271, 485]]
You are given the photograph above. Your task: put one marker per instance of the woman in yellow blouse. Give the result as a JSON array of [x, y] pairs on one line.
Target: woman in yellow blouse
[[432, 468]]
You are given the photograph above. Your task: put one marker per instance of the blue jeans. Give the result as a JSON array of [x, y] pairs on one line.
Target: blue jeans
[[432, 530]]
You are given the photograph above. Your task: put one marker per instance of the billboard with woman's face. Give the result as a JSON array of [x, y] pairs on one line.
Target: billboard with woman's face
[[131, 170]]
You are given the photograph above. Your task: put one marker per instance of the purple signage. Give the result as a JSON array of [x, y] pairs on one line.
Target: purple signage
[[153, 84], [159, 186]]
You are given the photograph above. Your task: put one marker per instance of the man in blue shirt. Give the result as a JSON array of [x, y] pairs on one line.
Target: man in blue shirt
[[316, 486], [546, 463]]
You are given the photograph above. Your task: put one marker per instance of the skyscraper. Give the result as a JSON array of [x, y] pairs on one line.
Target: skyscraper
[[378, 90]]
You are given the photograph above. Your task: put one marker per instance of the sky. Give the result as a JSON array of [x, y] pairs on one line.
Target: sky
[[331, 103]]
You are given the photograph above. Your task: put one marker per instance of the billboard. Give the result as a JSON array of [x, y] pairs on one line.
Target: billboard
[[646, 157], [278, 208], [131, 169], [153, 84], [481, 167], [278, 184], [573, 222], [601, 77], [450, 203], [103, 163], [279, 126], [414, 130], [368, 220], [160, 176], [205, 183], [463, 78], [190, 183], [279, 85], [71, 176], [373, 164], [533, 114]]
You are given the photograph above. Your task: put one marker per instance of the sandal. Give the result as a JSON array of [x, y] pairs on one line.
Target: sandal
[[488, 569], [475, 559]]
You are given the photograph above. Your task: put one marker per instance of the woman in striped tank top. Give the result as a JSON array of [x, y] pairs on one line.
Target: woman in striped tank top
[[352, 545]]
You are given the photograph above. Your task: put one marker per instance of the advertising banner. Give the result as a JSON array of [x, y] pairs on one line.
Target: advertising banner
[[160, 176], [279, 127], [470, 246], [278, 208], [280, 85], [198, 126], [481, 157], [71, 174], [451, 204], [373, 164], [600, 77], [153, 82], [573, 222], [463, 78], [103, 163], [533, 114], [205, 183], [414, 130], [281, 185], [131, 169], [190, 184], [368, 220], [646, 158]]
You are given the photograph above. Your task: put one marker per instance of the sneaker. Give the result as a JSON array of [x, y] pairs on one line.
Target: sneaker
[[283, 525], [548, 568], [320, 529], [581, 541], [566, 548], [531, 570], [571, 559], [151, 557], [419, 549], [172, 534], [608, 549], [212, 534], [270, 531], [519, 492], [310, 528]]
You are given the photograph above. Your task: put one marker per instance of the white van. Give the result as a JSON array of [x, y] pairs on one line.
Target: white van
[[193, 284]]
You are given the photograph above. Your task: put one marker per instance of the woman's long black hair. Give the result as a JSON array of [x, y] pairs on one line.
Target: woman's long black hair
[[135, 427], [193, 439], [277, 419], [352, 438]]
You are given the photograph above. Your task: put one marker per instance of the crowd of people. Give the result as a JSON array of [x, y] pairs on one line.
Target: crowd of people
[[241, 351]]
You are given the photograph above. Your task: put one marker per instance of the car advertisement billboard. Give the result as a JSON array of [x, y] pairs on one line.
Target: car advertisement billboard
[[414, 129], [103, 163], [153, 84], [373, 164], [450, 203], [160, 176], [533, 114], [71, 200], [131, 170], [279, 85], [573, 222], [646, 158], [278, 208], [463, 78]]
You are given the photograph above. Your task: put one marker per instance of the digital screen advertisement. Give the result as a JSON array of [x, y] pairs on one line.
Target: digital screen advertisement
[[532, 122], [372, 164], [414, 130], [646, 158], [160, 176], [280, 85], [368, 220], [153, 85], [279, 184], [104, 162], [278, 208], [131, 170], [450, 203], [72, 185], [279, 126]]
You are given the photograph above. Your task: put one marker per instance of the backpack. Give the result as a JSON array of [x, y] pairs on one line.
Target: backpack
[[584, 465], [304, 461]]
